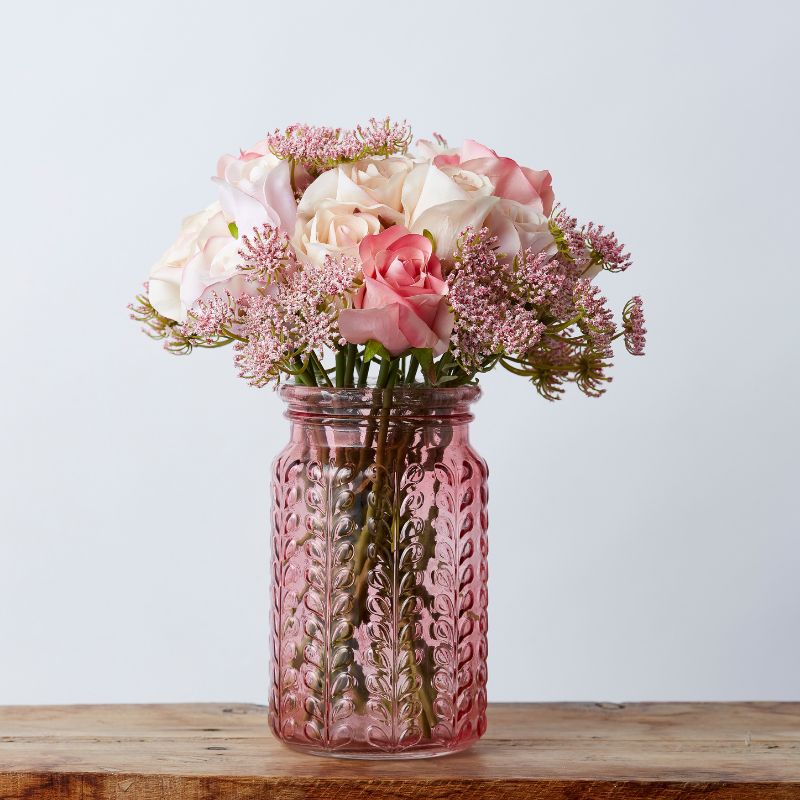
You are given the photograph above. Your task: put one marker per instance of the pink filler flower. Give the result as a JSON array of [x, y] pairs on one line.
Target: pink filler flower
[[403, 302]]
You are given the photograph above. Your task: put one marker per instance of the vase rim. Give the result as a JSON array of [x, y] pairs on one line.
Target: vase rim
[[417, 401], [454, 394]]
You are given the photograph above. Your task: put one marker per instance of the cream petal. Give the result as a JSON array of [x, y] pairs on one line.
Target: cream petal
[[320, 190], [165, 296], [243, 209], [427, 186], [347, 191], [448, 220]]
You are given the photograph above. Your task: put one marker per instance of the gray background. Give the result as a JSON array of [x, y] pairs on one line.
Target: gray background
[[643, 546]]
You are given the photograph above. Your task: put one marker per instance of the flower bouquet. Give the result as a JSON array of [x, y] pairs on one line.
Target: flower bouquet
[[375, 284]]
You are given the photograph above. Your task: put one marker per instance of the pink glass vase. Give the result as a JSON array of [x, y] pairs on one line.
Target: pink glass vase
[[379, 574]]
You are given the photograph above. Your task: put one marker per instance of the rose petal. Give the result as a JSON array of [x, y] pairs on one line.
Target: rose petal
[[472, 149], [427, 187], [279, 196], [374, 244], [243, 209], [542, 181], [381, 324], [164, 295], [448, 220]]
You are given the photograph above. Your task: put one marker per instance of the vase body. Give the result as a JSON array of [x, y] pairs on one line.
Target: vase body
[[379, 594]]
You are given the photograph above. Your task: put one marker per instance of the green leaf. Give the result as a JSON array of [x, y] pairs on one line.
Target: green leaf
[[424, 355], [233, 229], [374, 348], [429, 236]]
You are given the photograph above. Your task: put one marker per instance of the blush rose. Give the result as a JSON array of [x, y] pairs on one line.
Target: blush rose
[[403, 302], [511, 181]]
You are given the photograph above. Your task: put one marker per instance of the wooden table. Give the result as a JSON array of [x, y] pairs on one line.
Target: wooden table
[[535, 751]]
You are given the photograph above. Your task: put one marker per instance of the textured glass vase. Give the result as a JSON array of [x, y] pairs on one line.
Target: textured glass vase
[[379, 574]]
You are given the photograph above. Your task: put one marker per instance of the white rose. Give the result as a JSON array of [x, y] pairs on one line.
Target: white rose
[[164, 290], [445, 201], [345, 204], [215, 265], [426, 150], [255, 189], [520, 227]]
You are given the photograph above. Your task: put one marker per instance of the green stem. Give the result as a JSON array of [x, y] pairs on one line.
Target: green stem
[[523, 373], [383, 373], [304, 375], [411, 373], [350, 362], [363, 373], [340, 365], [231, 335], [317, 367]]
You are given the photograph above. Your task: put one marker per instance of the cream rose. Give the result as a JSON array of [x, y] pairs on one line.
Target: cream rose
[[215, 265], [519, 227], [255, 189], [164, 291], [445, 201], [347, 203]]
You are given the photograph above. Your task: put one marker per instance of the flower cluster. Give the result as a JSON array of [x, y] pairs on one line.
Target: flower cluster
[[300, 317], [267, 256], [318, 147], [435, 264], [633, 325], [493, 315], [532, 313], [588, 246]]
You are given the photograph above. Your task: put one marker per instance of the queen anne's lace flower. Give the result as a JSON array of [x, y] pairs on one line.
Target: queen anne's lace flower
[[491, 303], [268, 256], [319, 147], [299, 317], [633, 325]]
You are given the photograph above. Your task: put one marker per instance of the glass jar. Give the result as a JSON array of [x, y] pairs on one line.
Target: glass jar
[[379, 574]]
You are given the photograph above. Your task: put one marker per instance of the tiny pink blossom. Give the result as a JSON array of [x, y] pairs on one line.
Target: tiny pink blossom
[[633, 325], [320, 147], [268, 256]]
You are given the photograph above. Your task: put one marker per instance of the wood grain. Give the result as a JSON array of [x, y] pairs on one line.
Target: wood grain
[[674, 751]]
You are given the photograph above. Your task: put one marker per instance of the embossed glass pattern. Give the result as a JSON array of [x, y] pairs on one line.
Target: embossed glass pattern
[[379, 574]]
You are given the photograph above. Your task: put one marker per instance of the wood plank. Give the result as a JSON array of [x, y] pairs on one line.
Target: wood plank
[[538, 751]]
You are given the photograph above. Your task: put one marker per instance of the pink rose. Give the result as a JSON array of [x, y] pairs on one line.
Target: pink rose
[[403, 301], [527, 186]]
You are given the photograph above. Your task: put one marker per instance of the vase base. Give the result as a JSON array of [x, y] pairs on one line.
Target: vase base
[[379, 755]]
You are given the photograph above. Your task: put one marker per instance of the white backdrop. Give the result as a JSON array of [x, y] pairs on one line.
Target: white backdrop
[[643, 546]]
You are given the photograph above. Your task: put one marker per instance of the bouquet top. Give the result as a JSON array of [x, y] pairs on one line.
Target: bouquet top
[[427, 265]]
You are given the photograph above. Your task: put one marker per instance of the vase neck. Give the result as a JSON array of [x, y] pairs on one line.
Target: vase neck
[[418, 406]]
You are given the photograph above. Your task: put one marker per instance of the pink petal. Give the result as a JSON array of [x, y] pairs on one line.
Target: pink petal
[[425, 306], [372, 245], [542, 182], [507, 178], [444, 160], [279, 196], [378, 294], [381, 324], [472, 149]]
